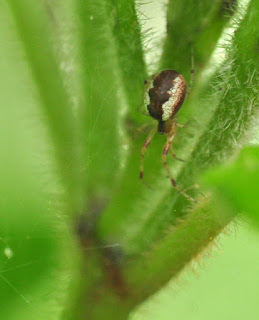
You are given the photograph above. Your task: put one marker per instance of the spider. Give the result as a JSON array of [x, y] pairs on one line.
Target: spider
[[164, 95]]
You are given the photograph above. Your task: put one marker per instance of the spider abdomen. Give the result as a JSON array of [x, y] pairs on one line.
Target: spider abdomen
[[165, 94]]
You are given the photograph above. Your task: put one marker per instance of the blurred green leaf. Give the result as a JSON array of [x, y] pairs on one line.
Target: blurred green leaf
[[31, 25], [34, 237], [236, 183]]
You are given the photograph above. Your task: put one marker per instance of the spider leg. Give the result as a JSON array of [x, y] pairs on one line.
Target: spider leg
[[167, 146], [144, 127], [174, 155], [192, 73], [179, 125], [143, 150]]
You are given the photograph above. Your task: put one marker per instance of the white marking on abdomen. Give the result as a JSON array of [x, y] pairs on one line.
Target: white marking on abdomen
[[175, 93]]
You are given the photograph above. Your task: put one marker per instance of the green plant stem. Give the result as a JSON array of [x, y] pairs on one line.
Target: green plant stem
[[108, 79], [223, 112], [193, 28], [111, 70], [94, 296], [175, 57], [234, 112], [32, 27], [127, 38], [143, 200], [182, 243]]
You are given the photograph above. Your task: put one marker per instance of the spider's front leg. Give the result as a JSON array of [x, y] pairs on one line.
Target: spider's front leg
[[167, 147], [174, 155], [143, 150]]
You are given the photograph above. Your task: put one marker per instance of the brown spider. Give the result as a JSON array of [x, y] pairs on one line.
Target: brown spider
[[164, 96]]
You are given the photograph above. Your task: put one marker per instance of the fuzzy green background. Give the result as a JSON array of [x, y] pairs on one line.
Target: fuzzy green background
[[80, 236]]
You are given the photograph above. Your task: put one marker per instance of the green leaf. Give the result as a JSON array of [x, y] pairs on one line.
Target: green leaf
[[34, 238], [236, 183], [31, 25]]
